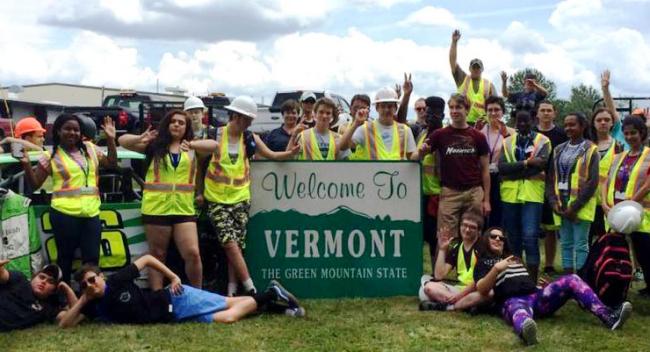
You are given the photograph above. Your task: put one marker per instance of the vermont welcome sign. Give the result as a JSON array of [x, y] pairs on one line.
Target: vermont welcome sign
[[336, 229]]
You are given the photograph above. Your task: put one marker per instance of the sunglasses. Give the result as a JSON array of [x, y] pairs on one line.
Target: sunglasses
[[47, 278], [89, 281], [498, 237], [420, 109]]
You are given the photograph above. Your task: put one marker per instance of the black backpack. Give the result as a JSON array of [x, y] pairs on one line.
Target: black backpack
[[608, 269]]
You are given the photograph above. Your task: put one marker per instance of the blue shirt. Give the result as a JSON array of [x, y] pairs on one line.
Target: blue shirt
[[278, 139]]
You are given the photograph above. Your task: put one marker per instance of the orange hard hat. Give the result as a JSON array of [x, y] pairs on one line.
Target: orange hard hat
[[27, 125]]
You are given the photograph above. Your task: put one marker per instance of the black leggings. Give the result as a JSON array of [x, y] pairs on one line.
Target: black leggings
[[70, 233], [641, 244]]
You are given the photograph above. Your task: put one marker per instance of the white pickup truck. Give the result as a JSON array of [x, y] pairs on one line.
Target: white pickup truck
[[269, 118]]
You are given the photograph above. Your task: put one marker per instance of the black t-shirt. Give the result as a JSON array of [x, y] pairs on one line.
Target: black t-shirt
[[556, 135], [452, 254], [512, 282], [125, 302], [19, 308]]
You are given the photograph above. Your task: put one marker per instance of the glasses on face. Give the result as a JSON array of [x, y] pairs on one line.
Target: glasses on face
[[88, 281], [47, 278], [420, 109], [469, 226], [497, 237]]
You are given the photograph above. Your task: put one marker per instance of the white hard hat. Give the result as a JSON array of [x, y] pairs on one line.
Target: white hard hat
[[244, 105], [307, 95], [386, 95], [625, 217], [193, 103]]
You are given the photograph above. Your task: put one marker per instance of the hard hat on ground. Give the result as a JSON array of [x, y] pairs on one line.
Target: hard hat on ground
[[625, 217], [244, 105], [386, 95], [28, 125], [193, 103]]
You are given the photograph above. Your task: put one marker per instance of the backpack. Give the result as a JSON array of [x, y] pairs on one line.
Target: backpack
[[608, 269]]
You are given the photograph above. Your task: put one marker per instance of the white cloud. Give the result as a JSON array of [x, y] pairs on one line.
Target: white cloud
[[569, 13], [381, 3], [434, 17]]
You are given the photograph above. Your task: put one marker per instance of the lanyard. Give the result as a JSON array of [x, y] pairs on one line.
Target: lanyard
[[521, 152], [85, 168], [564, 170], [626, 170], [493, 146]]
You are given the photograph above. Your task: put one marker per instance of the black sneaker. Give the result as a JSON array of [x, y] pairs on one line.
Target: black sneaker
[[283, 294], [619, 316], [529, 332], [432, 305]]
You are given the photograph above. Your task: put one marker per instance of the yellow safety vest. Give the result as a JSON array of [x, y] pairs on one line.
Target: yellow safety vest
[[430, 171], [529, 189], [309, 146], [169, 190], [579, 176], [476, 97], [74, 186], [638, 175], [604, 166], [374, 148], [225, 182], [465, 276]]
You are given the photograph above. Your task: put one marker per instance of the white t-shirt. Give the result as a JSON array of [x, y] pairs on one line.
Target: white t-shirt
[[359, 137], [233, 146], [323, 141]]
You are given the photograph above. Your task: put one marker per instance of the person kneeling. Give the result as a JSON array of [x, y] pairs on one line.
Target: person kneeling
[[461, 255], [118, 299]]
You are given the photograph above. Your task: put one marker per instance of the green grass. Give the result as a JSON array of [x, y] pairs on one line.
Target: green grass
[[391, 324]]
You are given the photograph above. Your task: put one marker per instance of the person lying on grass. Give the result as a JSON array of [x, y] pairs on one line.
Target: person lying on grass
[[25, 303], [521, 301], [118, 299], [459, 254]]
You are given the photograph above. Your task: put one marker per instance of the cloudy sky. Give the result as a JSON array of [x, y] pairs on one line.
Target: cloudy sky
[[257, 47]]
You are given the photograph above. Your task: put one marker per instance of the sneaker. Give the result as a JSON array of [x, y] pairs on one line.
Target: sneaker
[[295, 312], [284, 295], [619, 316], [529, 332], [432, 305]]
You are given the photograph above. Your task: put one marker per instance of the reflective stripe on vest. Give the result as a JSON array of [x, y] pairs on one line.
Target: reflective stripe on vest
[[579, 176], [529, 189], [604, 166], [74, 188], [476, 97], [310, 149], [637, 178], [225, 182], [374, 148], [169, 190], [465, 276], [430, 171]]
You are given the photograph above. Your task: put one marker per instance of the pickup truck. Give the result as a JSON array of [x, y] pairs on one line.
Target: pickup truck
[[271, 118]]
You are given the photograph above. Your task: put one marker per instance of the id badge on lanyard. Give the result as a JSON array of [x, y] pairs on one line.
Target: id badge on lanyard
[[563, 186]]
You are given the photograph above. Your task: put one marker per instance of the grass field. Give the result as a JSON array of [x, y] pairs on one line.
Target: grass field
[[391, 324]]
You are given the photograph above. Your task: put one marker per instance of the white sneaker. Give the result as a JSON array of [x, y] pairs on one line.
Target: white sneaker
[[423, 280]]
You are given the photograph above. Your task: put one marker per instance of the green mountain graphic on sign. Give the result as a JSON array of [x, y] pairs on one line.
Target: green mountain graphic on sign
[[341, 253]]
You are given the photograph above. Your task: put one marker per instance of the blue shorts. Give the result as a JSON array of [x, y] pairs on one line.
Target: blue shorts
[[196, 305]]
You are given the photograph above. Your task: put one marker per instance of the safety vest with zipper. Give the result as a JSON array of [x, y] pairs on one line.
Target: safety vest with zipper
[[169, 190], [310, 149], [577, 180], [374, 148]]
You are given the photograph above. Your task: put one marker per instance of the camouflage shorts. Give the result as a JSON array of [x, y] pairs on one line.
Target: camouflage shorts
[[229, 221]]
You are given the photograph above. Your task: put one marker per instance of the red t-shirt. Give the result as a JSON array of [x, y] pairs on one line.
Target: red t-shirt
[[459, 153]]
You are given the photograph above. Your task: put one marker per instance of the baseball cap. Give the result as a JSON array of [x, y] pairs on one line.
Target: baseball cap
[[306, 95], [530, 75], [436, 104], [476, 62], [54, 271]]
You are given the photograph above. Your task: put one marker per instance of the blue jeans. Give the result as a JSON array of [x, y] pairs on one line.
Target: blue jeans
[[521, 222], [574, 241]]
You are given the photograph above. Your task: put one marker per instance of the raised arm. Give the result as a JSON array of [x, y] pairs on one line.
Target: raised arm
[[345, 142], [26, 144], [407, 89], [455, 36], [149, 261], [442, 268], [264, 151], [504, 84], [110, 160], [607, 95], [138, 143], [35, 176]]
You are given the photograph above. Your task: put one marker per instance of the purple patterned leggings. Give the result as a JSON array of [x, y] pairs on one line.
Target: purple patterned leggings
[[546, 301]]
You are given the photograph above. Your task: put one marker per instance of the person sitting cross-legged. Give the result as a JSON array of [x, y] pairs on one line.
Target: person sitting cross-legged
[[460, 255]]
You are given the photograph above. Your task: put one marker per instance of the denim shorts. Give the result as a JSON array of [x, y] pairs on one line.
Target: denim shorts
[[196, 305]]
